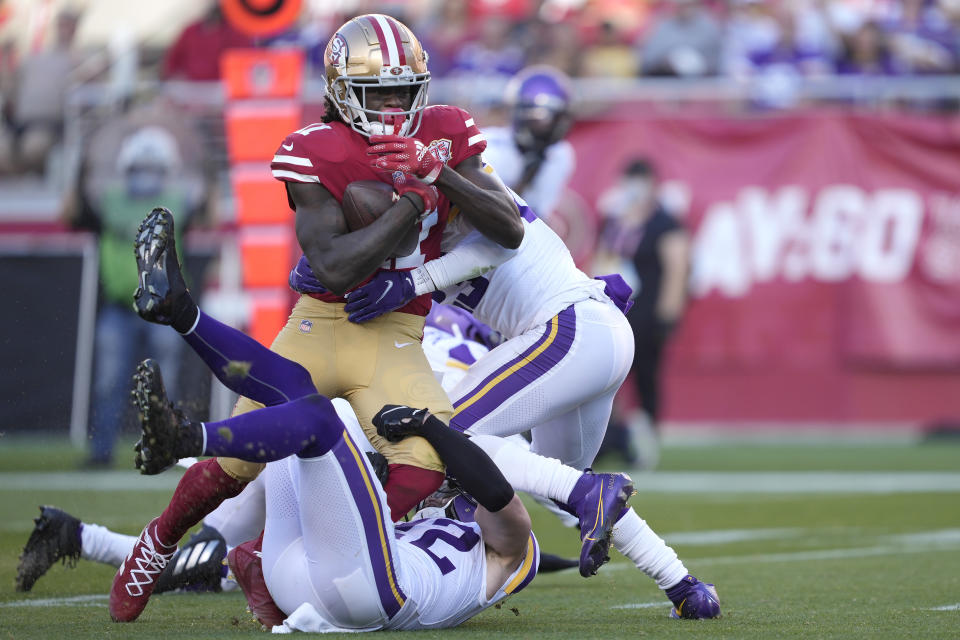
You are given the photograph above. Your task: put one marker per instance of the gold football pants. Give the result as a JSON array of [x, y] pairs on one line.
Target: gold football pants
[[371, 364]]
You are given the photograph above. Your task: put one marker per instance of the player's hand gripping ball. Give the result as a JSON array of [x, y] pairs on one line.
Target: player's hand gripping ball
[[407, 155]]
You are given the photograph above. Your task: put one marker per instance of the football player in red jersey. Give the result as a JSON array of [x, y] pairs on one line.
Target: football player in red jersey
[[377, 127]]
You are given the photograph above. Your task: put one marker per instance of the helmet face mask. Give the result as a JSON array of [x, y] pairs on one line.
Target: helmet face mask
[[376, 53]]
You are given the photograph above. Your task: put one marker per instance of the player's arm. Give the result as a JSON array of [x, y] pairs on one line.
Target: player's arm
[[501, 515], [481, 197], [339, 258], [483, 201], [472, 255]]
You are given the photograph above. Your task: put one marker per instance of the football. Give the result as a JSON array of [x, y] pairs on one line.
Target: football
[[364, 201]]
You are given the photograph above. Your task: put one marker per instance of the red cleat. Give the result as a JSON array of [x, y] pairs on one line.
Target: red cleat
[[247, 570], [138, 574]]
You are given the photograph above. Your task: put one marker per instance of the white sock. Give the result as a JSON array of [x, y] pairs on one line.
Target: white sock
[[528, 471], [635, 539], [102, 545]]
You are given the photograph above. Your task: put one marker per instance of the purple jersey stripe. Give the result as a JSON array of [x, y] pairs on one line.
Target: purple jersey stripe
[[519, 372], [378, 537], [526, 212]]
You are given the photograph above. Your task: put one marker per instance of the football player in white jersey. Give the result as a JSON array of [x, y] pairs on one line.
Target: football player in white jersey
[[568, 348], [531, 155], [59, 536], [332, 558]]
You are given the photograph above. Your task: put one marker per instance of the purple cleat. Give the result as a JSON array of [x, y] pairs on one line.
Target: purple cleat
[[694, 600], [600, 499]]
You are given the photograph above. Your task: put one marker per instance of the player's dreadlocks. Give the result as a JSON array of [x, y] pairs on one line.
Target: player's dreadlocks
[[330, 112]]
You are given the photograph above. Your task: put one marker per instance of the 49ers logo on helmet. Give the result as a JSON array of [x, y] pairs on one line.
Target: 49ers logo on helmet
[[339, 51]]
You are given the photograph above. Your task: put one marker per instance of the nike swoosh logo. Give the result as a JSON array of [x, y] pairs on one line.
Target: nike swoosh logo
[[385, 291], [290, 148], [680, 607], [401, 345]]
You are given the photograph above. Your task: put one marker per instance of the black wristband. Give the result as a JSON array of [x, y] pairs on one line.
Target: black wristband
[[469, 464]]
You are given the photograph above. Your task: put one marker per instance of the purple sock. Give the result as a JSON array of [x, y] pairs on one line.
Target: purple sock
[[308, 427], [247, 367]]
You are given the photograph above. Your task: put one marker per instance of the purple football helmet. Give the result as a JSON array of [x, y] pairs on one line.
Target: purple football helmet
[[540, 99]]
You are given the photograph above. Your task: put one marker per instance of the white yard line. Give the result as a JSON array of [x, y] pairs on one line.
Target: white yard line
[[946, 607], [798, 482], [99, 481], [919, 542], [93, 600], [731, 536]]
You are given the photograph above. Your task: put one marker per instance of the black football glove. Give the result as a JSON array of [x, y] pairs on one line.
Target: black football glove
[[396, 421], [380, 465]]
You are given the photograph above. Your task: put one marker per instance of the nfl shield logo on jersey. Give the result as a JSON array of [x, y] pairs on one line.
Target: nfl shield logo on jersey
[[305, 326]]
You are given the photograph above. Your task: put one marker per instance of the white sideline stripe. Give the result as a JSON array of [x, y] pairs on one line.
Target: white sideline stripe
[[657, 482], [642, 605], [87, 481], [93, 600], [920, 542], [798, 482], [299, 177], [946, 607], [297, 160]]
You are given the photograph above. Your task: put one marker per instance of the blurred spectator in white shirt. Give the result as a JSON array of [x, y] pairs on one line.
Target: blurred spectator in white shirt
[[686, 41]]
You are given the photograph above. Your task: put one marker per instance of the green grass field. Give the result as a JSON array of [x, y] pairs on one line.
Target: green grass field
[[802, 541]]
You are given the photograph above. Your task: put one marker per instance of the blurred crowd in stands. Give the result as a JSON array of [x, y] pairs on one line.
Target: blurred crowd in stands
[[775, 43]]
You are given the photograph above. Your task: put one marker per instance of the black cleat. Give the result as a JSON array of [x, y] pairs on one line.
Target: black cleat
[[166, 433], [160, 296], [55, 536], [198, 566]]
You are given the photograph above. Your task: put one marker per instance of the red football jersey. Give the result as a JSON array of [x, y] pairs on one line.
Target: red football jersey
[[334, 155]]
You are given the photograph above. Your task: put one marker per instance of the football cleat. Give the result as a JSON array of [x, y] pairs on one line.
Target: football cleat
[[55, 536], [247, 569], [161, 285], [694, 600], [198, 566], [166, 433], [137, 576], [598, 510]]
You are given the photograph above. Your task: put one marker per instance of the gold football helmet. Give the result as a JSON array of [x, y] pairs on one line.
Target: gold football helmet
[[372, 51]]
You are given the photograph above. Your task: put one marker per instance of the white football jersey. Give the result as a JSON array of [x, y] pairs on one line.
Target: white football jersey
[[537, 283], [548, 184], [443, 570]]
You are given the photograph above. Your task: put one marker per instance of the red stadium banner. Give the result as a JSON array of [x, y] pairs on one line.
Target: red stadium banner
[[826, 281]]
